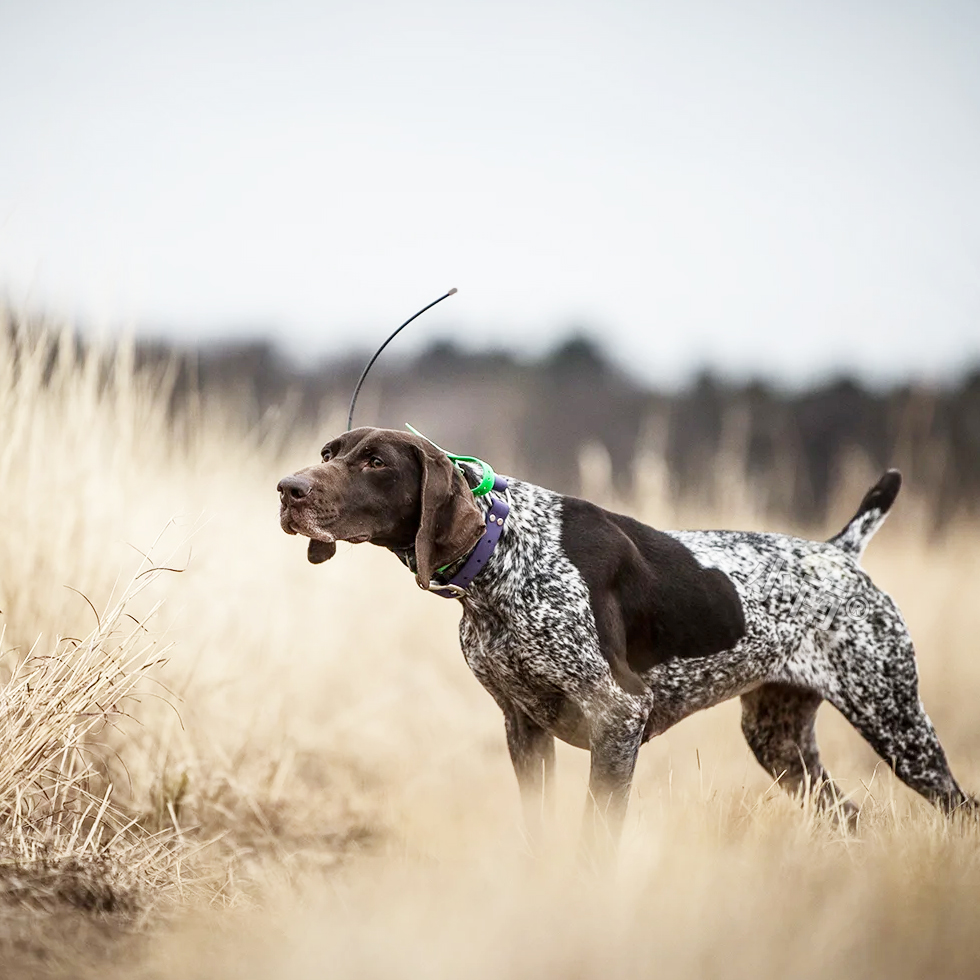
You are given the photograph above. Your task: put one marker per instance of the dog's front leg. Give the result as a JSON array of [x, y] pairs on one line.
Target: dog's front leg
[[532, 751], [614, 743]]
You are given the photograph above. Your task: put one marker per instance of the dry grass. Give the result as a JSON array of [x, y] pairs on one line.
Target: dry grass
[[63, 839], [313, 783]]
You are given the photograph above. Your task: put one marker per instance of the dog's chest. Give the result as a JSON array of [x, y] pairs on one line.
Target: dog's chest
[[528, 632]]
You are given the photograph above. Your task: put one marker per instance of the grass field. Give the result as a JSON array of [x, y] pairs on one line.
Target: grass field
[[248, 766]]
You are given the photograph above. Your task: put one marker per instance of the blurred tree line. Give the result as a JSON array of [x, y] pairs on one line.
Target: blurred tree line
[[532, 419]]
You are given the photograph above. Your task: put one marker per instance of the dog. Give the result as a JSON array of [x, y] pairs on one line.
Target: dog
[[591, 627]]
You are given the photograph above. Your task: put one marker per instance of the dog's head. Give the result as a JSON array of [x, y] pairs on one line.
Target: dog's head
[[391, 488]]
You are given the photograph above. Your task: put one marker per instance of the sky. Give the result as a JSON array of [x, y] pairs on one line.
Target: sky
[[764, 188]]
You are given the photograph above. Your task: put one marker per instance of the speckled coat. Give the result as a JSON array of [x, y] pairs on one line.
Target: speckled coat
[[815, 628]]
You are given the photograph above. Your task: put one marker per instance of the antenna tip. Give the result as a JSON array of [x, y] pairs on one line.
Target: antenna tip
[[451, 291]]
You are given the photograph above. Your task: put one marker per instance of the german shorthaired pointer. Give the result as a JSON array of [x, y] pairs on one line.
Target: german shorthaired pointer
[[591, 627]]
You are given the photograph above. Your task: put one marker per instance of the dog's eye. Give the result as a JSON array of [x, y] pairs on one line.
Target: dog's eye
[[375, 462], [326, 455]]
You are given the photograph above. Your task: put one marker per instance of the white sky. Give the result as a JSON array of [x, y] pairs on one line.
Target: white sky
[[782, 188]]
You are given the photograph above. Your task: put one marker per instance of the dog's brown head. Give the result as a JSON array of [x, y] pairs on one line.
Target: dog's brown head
[[391, 488]]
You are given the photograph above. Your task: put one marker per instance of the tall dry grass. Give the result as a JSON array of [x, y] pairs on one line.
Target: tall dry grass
[[314, 784]]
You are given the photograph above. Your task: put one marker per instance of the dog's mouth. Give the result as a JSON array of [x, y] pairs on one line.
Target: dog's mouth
[[292, 523], [323, 544]]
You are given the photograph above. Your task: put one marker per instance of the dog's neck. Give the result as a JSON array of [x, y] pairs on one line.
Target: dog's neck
[[406, 555]]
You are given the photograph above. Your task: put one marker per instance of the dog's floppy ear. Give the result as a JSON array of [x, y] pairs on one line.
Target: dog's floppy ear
[[320, 551], [450, 523]]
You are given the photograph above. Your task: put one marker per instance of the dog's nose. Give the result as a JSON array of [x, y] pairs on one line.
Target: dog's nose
[[295, 487]]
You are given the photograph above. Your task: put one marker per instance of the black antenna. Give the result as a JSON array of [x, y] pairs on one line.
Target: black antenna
[[377, 353]]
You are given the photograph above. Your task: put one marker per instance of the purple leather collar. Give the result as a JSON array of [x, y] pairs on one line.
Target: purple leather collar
[[456, 587]]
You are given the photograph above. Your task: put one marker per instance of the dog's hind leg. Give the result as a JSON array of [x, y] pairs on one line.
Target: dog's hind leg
[[881, 700], [778, 723]]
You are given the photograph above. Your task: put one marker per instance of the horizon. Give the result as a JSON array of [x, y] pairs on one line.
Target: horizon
[[405, 352]]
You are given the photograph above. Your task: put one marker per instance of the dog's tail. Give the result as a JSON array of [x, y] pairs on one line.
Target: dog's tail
[[854, 538]]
